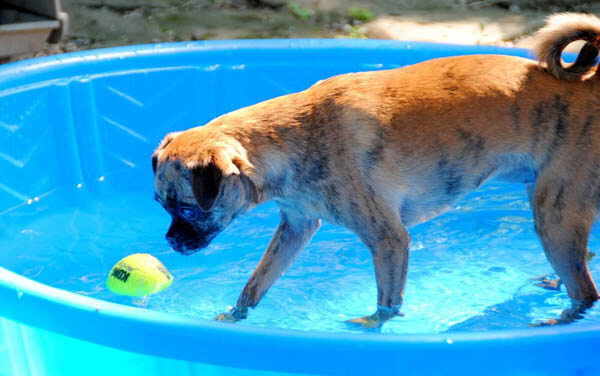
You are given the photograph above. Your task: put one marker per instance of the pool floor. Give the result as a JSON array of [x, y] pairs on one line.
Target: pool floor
[[471, 269]]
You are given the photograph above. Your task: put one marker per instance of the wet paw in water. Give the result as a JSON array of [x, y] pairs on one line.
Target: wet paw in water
[[235, 314], [366, 322], [374, 321], [547, 283]]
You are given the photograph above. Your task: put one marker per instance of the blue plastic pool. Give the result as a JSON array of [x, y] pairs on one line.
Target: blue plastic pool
[[76, 135]]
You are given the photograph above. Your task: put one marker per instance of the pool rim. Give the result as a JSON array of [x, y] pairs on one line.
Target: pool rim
[[24, 72]]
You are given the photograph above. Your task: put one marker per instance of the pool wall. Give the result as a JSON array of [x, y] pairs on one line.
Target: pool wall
[[65, 126]]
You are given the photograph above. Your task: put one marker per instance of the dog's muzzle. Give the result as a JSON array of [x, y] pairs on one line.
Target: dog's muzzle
[[185, 239]]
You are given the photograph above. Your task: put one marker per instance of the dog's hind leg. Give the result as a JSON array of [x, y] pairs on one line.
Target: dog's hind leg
[[542, 281], [564, 215], [387, 239], [290, 238]]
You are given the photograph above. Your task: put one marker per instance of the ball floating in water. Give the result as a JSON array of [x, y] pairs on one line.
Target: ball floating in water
[[139, 274]]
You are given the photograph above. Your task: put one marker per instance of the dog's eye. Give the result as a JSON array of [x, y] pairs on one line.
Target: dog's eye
[[188, 212]]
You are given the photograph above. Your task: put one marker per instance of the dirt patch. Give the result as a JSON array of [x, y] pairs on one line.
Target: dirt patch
[[105, 23], [485, 26]]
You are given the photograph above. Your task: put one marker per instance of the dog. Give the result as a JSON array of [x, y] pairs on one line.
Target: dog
[[378, 152]]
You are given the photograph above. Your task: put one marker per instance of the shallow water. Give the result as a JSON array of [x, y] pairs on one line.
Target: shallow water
[[470, 270]]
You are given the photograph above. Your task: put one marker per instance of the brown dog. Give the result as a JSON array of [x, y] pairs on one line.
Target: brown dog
[[377, 152]]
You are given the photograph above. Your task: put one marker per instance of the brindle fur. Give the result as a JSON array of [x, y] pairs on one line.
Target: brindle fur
[[377, 152]]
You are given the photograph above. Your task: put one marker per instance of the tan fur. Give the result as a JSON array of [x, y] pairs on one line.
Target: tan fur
[[562, 29], [380, 151]]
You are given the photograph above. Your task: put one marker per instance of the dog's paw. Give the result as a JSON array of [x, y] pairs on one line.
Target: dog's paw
[[367, 322], [235, 314], [549, 322], [547, 283], [376, 320], [567, 316], [226, 317]]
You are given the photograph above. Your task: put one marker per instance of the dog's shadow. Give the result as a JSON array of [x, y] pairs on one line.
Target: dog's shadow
[[529, 306]]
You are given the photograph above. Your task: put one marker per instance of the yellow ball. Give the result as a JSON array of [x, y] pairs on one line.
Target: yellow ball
[[139, 274]]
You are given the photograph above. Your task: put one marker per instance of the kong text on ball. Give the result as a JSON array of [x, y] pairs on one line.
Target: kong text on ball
[[139, 274]]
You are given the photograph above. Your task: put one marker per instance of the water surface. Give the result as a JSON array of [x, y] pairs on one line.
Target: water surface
[[471, 269]]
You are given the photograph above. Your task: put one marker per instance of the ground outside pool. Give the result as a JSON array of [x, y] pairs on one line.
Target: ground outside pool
[[76, 196]]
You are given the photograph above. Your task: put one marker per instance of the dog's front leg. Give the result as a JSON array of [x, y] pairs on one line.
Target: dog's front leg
[[389, 243], [292, 235]]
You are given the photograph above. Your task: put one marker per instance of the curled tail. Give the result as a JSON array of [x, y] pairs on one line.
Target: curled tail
[[562, 29]]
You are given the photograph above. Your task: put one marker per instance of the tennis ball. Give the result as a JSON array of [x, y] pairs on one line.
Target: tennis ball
[[139, 274]]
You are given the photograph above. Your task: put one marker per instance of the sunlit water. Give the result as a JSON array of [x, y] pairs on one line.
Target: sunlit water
[[470, 269]]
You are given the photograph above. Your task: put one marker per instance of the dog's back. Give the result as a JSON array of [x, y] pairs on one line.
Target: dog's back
[[427, 134]]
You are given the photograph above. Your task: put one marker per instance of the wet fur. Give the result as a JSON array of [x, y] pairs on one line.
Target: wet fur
[[378, 152]]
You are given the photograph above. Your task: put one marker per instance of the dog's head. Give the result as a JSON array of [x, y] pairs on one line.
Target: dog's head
[[202, 182]]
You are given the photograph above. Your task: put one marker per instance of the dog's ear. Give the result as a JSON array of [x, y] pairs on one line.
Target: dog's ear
[[224, 170], [163, 144], [154, 161], [206, 182]]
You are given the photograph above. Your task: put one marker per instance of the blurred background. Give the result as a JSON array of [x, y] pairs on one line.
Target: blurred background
[[86, 24]]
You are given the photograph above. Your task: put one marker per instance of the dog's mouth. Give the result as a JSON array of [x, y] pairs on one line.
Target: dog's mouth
[[184, 239], [187, 245], [185, 249]]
